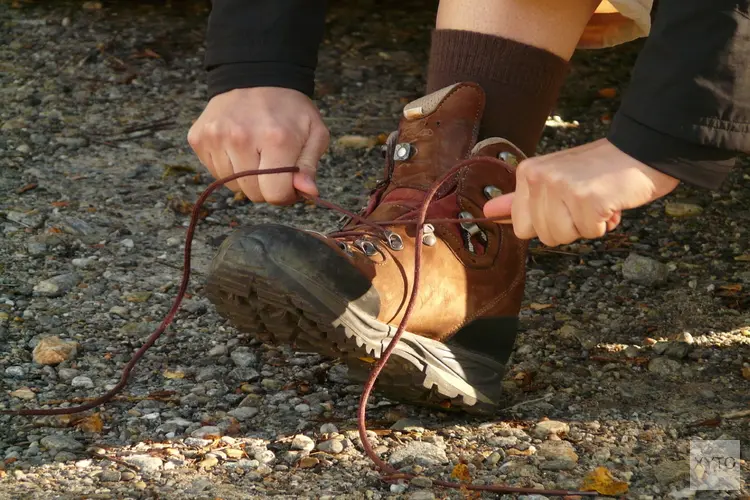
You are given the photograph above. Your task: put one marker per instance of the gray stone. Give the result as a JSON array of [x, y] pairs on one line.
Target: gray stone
[[56, 442], [408, 424], [109, 476], [558, 455], [243, 413], [58, 285], [302, 442], [663, 366], [333, 446], [146, 463], [419, 453], [82, 381], [644, 270], [15, 372], [242, 357], [547, 427]]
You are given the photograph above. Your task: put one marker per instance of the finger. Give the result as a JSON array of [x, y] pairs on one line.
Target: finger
[[223, 168], [520, 210], [501, 206], [277, 189], [242, 161], [309, 158], [586, 220], [537, 212], [559, 221], [614, 221], [204, 156]]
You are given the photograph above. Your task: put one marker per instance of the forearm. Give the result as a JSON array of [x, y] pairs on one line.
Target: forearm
[[687, 108], [270, 43]]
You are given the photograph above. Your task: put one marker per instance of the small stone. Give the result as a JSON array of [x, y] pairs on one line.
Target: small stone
[[357, 141], [328, 429], [495, 457], [23, 393], [663, 366], [677, 209], [632, 351], [660, 347], [56, 443], [243, 358], [138, 297], [15, 372], [334, 446], [84, 263], [308, 462], [53, 350], [671, 471], [127, 475], [208, 462], [110, 476], [234, 453], [209, 430], [302, 408], [82, 381], [120, 311], [420, 453], [127, 243], [65, 456], [146, 463], [422, 495], [270, 384], [67, 374], [677, 350], [399, 488], [421, 482], [408, 424], [243, 413], [58, 285], [559, 455], [217, 351], [302, 442], [644, 270], [547, 427]]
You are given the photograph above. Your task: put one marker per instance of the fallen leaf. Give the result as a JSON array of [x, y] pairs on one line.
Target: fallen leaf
[[10, 460], [356, 141], [608, 93], [732, 288], [678, 209], [138, 296], [60, 204], [538, 307], [27, 187], [308, 462], [461, 472], [240, 196], [173, 375], [92, 423], [177, 169], [91, 6], [148, 53], [601, 481], [746, 372], [743, 258]]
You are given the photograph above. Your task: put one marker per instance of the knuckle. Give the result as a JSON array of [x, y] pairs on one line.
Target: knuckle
[[532, 171], [211, 131], [194, 137], [237, 135], [276, 136]]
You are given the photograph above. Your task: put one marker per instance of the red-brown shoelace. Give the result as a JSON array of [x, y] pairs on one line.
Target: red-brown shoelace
[[390, 473]]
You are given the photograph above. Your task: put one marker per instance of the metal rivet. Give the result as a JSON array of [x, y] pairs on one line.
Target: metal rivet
[[394, 241], [492, 192], [343, 246], [508, 158], [428, 236], [402, 151]]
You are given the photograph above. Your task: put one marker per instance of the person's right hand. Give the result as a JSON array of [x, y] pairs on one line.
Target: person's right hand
[[262, 128]]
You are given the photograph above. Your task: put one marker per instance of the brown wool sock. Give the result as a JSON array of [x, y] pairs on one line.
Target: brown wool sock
[[521, 82]]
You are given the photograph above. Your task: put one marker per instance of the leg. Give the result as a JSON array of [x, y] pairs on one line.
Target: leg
[[517, 50]]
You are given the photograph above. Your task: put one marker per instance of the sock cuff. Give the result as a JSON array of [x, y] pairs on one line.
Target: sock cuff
[[472, 53]]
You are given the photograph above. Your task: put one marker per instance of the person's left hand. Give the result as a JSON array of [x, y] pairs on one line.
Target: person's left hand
[[578, 193]]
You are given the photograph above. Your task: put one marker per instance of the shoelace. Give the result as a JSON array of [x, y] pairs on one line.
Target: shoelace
[[390, 473]]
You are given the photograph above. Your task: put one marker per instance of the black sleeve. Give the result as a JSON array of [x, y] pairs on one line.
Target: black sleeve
[[687, 109], [254, 43]]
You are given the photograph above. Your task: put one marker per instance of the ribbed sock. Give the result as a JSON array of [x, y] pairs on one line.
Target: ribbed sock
[[521, 82]]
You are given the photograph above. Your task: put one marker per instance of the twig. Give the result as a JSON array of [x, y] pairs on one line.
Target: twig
[[528, 402], [736, 414], [116, 460]]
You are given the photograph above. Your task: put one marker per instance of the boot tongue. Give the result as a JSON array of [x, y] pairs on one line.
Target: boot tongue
[[436, 132]]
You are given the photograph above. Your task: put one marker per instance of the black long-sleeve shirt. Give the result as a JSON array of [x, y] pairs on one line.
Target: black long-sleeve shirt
[[686, 111]]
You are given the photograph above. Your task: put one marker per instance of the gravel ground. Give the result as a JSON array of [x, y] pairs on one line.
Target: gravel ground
[[632, 346]]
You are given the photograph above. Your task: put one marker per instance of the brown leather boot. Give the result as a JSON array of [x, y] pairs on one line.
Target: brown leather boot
[[344, 295]]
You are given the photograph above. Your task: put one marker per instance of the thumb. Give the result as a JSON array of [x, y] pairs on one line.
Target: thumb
[[313, 149], [499, 207]]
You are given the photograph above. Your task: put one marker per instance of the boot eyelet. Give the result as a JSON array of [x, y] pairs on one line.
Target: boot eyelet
[[469, 230], [428, 236], [492, 192], [508, 158], [367, 247], [343, 246], [394, 241]]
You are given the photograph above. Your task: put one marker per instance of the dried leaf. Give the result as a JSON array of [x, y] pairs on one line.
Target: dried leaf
[[538, 307], [732, 288], [173, 375], [601, 481], [608, 93], [92, 423], [461, 472], [746, 372], [177, 169], [60, 204], [743, 258], [356, 141], [240, 196], [27, 187]]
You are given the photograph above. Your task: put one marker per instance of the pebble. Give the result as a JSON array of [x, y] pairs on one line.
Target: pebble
[[216, 351], [270, 384], [421, 482], [58, 285], [84, 263], [644, 270], [334, 446], [56, 442], [146, 463], [328, 429], [422, 495], [108, 476], [679, 209], [82, 381], [663, 366], [23, 393], [547, 427], [559, 455], [120, 311], [308, 462], [65, 456], [303, 443], [243, 413], [243, 358], [53, 350], [408, 424], [127, 243], [15, 372], [420, 453], [208, 462], [209, 430]]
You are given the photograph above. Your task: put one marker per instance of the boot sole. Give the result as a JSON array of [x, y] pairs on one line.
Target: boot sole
[[274, 303]]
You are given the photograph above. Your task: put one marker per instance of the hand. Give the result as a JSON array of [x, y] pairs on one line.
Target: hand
[[261, 128], [578, 193]]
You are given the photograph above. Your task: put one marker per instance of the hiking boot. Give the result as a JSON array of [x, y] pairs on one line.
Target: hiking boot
[[343, 295]]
